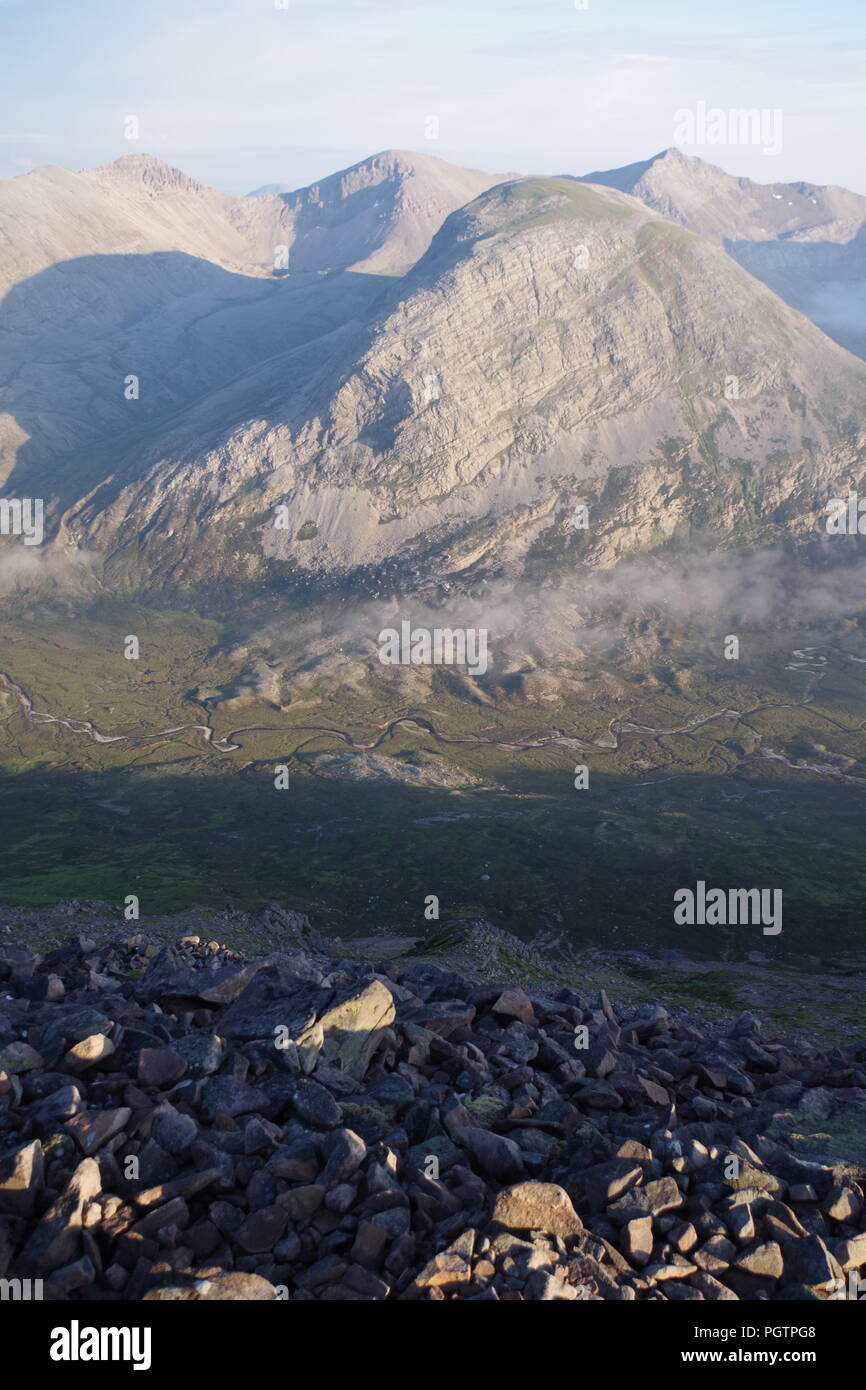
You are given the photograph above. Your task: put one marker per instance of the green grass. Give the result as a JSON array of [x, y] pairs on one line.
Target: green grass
[[537, 202], [176, 822]]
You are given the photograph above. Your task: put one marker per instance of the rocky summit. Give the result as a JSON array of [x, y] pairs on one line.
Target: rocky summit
[[179, 1122]]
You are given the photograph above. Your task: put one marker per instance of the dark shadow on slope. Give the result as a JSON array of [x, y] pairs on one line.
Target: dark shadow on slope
[[597, 867], [72, 336], [825, 280], [335, 236]]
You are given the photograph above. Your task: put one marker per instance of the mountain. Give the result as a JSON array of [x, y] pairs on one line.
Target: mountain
[[705, 199], [132, 268], [378, 216], [807, 242], [136, 270], [564, 380], [136, 206], [557, 345]]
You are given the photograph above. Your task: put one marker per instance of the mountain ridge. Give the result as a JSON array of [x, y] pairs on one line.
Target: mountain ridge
[[806, 241], [557, 342], [347, 458]]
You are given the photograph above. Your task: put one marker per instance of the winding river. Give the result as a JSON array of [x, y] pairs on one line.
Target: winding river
[[807, 660]]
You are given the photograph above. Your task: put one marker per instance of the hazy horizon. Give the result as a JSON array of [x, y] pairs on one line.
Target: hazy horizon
[[241, 93], [322, 173]]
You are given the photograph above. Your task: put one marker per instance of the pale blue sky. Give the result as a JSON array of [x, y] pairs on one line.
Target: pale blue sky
[[240, 93]]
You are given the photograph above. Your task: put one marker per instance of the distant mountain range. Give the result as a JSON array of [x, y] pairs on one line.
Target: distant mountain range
[[807, 242], [412, 370]]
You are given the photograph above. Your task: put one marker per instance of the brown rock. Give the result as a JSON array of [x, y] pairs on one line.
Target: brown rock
[[21, 1180], [711, 1288], [765, 1260], [262, 1229], [370, 1241], [447, 1270], [851, 1254], [651, 1200], [659, 1273], [54, 1243], [301, 1202], [186, 1186], [683, 1235], [715, 1255], [160, 1066], [75, 1276], [234, 1288], [173, 1213], [514, 1003], [537, 1206], [654, 1092], [843, 1204], [91, 1129], [89, 1052], [636, 1240]]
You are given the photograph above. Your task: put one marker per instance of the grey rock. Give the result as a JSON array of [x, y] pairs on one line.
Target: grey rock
[[809, 1262], [492, 1155], [314, 1104], [345, 1152], [651, 1200], [172, 1130]]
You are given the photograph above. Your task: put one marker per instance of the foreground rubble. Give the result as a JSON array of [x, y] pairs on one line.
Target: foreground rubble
[[182, 1123]]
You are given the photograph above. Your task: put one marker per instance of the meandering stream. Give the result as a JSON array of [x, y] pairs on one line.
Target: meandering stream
[[802, 660]]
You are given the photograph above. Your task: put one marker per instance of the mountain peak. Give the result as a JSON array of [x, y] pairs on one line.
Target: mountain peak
[[404, 159], [392, 163], [156, 175], [629, 176], [521, 203], [378, 215], [674, 155]]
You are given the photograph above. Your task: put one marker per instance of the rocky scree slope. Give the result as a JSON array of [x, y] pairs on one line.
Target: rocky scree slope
[[414, 1135]]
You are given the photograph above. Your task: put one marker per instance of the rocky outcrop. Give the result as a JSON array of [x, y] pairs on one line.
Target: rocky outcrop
[[182, 1124]]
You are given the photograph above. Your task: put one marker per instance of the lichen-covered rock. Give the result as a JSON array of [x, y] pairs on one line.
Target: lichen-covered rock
[[348, 1032]]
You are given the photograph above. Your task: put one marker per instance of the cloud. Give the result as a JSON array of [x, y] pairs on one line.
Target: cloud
[[24, 569]]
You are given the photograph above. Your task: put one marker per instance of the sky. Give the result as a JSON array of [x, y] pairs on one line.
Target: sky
[[239, 93]]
